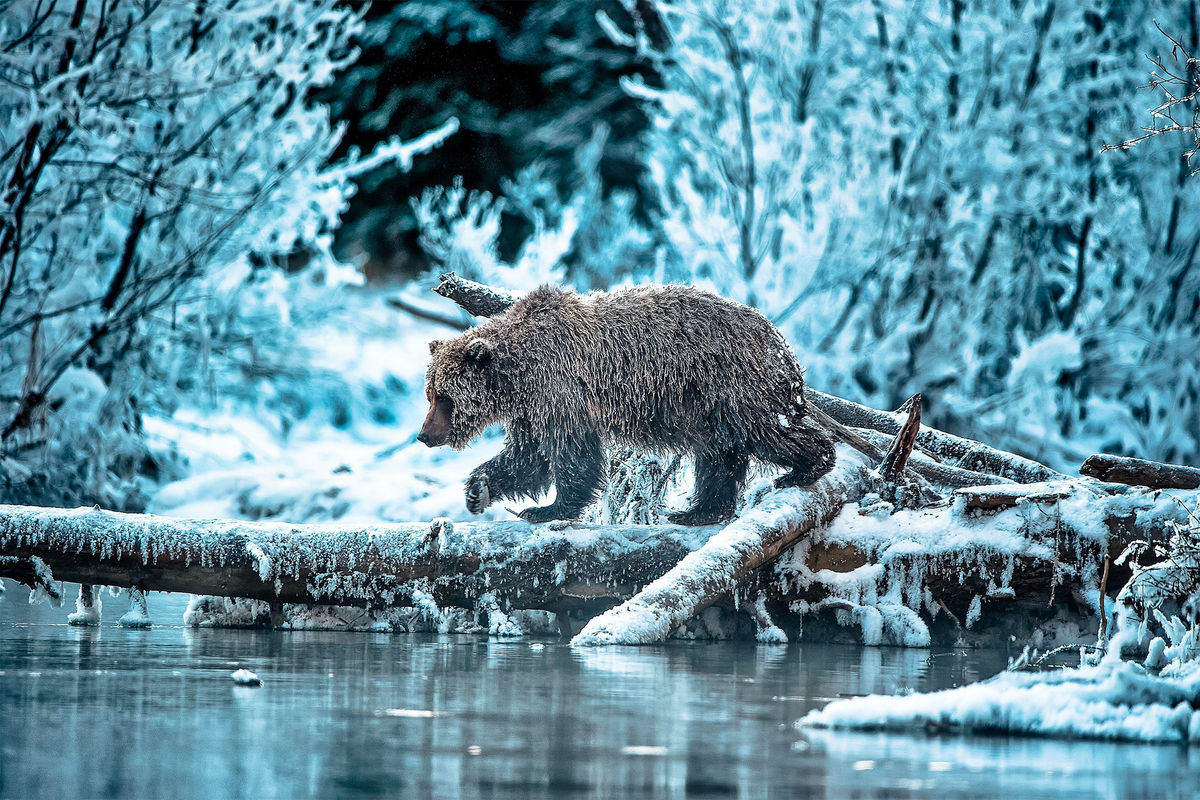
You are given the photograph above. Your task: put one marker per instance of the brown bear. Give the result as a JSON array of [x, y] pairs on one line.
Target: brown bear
[[660, 368]]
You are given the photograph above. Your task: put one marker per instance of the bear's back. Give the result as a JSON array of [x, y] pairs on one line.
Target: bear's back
[[673, 362]]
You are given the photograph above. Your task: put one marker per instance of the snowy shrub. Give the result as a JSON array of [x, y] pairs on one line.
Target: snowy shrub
[[1165, 595], [584, 238], [152, 155]]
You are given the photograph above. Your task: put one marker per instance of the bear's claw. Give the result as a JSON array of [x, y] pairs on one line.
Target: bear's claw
[[479, 496], [545, 514]]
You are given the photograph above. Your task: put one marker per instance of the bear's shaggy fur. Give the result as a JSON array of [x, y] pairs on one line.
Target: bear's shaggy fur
[[662, 368]]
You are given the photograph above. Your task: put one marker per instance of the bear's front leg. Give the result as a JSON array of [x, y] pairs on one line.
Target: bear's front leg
[[578, 469], [521, 468]]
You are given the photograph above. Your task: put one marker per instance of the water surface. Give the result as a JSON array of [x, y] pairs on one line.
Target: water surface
[[111, 712]]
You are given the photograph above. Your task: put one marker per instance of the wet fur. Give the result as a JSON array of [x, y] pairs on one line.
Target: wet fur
[[663, 368]]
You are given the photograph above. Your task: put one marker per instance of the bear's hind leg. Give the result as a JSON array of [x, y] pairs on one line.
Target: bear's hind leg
[[719, 478], [578, 477], [801, 447]]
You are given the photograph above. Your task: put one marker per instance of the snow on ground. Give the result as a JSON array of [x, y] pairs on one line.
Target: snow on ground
[[1113, 700], [353, 456]]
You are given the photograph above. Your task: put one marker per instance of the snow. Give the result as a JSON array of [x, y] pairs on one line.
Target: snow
[[44, 590], [974, 612], [244, 677], [352, 457], [1118, 701], [767, 631]]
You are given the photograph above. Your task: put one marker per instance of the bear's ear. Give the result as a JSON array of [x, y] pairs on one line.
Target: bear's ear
[[434, 345], [480, 351]]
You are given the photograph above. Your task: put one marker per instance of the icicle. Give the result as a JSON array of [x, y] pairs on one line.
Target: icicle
[[499, 623], [768, 631], [137, 616], [974, 612], [87, 607]]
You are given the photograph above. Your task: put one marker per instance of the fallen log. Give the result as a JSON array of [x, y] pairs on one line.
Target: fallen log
[[961, 452], [936, 472], [994, 498], [1020, 558], [889, 570], [553, 567], [748, 543], [1139, 472]]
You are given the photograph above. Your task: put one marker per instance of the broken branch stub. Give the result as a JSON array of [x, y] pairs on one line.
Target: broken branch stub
[[897, 457], [475, 298]]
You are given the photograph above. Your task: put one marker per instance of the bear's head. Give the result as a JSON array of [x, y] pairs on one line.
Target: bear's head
[[461, 388]]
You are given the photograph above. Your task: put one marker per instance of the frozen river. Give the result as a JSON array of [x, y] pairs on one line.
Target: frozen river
[[111, 712]]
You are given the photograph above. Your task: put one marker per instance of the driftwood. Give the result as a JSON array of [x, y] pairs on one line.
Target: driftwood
[[920, 462], [1138, 472], [994, 498], [965, 453], [548, 567]]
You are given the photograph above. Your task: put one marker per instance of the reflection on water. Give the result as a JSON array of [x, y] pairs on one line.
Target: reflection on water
[[115, 712]]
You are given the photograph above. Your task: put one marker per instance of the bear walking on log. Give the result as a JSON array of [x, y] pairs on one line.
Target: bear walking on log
[[661, 368]]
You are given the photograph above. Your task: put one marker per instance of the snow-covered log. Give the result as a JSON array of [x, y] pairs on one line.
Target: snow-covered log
[[476, 299], [522, 566], [887, 572], [928, 467], [893, 572], [748, 543], [1139, 472], [961, 452]]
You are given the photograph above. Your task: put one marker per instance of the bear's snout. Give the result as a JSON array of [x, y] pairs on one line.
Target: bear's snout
[[436, 429]]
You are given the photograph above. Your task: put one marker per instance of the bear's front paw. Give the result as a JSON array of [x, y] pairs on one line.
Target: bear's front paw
[[545, 514], [479, 496]]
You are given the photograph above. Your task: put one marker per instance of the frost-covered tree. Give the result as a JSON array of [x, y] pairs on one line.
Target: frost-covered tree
[[1177, 79], [583, 238], [915, 192], [150, 153]]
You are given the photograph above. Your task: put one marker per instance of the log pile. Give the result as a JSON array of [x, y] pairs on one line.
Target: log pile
[[912, 522]]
